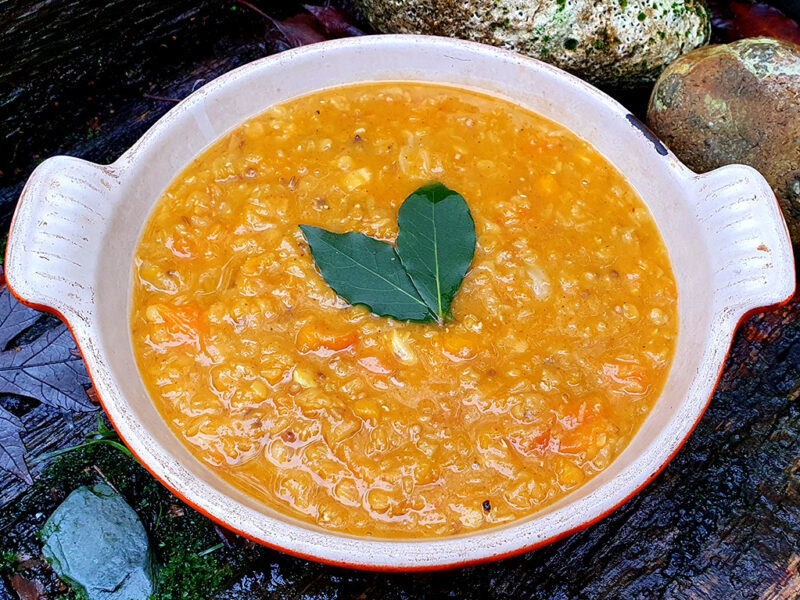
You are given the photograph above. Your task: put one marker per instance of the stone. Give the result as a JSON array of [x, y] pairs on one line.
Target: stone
[[736, 103], [618, 43], [95, 540]]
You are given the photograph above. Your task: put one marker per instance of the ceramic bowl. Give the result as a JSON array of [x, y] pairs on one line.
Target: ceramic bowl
[[76, 227]]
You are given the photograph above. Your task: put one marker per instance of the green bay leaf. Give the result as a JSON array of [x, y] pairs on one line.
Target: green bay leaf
[[366, 271], [436, 243]]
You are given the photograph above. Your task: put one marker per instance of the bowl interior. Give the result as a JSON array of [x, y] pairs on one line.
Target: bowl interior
[[659, 179]]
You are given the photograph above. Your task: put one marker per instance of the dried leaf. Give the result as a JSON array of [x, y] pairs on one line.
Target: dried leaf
[[48, 369], [299, 30], [324, 23], [12, 450], [333, 21], [733, 21], [28, 589], [754, 20], [14, 318]]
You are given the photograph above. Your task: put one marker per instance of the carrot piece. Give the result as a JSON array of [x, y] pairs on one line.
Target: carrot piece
[[630, 378], [184, 323], [182, 247], [313, 337], [458, 346], [531, 445]]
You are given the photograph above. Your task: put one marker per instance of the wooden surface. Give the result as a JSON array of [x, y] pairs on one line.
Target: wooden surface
[[722, 522]]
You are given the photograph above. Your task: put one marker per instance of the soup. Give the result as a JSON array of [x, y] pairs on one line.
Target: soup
[[559, 344]]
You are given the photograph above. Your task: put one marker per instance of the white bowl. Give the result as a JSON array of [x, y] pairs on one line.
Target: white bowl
[[76, 226]]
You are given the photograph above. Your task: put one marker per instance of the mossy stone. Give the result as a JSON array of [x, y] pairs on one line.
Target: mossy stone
[[95, 540], [622, 44], [736, 103]]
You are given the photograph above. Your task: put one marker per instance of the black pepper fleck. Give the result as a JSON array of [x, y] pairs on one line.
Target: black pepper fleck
[[487, 506]]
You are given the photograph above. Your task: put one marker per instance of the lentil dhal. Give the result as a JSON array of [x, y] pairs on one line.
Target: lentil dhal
[[560, 342]]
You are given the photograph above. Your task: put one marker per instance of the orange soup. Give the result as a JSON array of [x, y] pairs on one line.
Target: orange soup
[[559, 344]]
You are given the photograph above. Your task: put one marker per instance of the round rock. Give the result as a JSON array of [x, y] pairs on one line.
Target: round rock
[[94, 539], [736, 103], [617, 43]]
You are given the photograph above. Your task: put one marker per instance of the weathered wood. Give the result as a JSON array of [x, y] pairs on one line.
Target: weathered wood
[[722, 522], [71, 70], [88, 77], [46, 430]]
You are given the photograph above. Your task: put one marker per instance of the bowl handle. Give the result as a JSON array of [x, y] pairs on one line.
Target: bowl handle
[[748, 241], [57, 235]]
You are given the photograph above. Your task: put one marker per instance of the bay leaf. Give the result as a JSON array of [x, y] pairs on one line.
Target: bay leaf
[[366, 271], [436, 243]]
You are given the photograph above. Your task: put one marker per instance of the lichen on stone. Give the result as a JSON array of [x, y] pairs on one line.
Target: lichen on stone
[[621, 44], [736, 103]]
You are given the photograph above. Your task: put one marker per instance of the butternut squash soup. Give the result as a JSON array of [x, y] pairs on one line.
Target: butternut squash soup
[[554, 349]]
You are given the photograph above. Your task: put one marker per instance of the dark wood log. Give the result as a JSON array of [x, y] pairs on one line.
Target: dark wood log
[[722, 522], [71, 70]]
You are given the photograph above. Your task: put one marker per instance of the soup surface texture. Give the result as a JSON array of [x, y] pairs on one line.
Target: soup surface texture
[[560, 341]]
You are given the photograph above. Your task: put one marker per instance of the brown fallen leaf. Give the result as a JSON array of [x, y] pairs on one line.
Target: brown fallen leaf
[[91, 393], [27, 589], [735, 20], [333, 21], [300, 30], [319, 24]]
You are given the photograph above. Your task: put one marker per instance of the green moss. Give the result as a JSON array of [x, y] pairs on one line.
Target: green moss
[[80, 594], [178, 534], [186, 576], [8, 560], [75, 469], [183, 573]]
